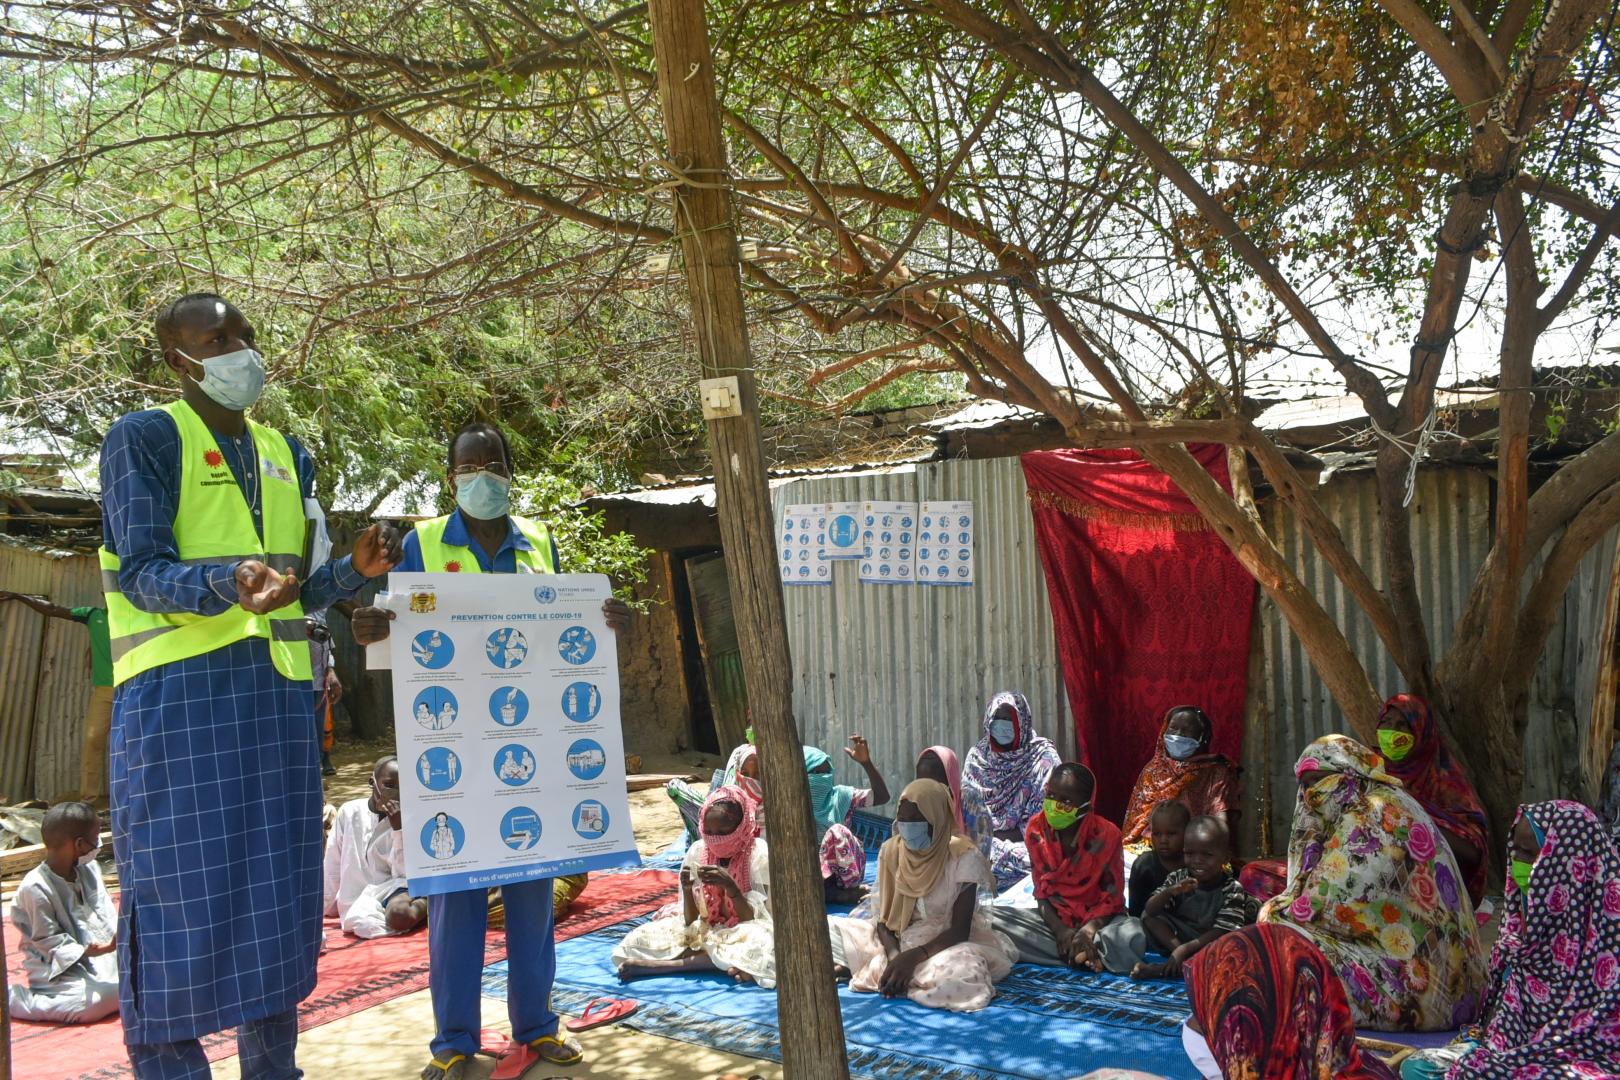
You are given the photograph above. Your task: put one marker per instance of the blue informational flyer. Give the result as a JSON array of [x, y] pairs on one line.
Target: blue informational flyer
[[888, 542], [945, 543], [511, 755], [801, 535]]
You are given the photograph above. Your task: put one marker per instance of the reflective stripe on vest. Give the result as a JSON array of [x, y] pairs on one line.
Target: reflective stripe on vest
[[213, 526], [439, 557]]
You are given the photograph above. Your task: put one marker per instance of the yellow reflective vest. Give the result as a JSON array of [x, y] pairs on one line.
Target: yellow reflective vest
[[213, 525], [439, 557]]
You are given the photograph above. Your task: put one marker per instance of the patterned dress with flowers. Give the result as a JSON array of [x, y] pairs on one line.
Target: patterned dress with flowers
[[1372, 883]]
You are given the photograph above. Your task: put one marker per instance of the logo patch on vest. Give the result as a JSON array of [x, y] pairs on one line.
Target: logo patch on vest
[[276, 472], [452, 567], [213, 459]]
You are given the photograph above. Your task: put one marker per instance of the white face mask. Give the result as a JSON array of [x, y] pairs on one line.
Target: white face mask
[[90, 856], [233, 380], [1198, 1052]]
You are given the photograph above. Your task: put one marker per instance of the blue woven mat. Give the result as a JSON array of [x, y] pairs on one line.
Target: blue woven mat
[[1043, 1023]]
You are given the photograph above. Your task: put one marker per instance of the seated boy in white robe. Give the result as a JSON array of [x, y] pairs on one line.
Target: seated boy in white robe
[[365, 863], [68, 924]]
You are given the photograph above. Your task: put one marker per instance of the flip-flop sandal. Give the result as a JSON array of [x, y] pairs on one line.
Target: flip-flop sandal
[[610, 1009], [494, 1043], [452, 1068], [525, 1056]]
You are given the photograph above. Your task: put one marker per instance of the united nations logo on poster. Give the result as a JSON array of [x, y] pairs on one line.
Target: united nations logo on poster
[[545, 594]]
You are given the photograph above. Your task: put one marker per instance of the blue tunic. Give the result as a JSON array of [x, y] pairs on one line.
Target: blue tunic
[[215, 776]]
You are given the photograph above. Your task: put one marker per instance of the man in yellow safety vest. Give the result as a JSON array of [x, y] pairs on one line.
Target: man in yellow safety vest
[[214, 758], [483, 536]]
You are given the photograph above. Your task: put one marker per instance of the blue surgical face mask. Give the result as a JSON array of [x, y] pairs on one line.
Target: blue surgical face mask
[[1180, 747], [483, 495], [232, 380], [1002, 731], [914, 834]]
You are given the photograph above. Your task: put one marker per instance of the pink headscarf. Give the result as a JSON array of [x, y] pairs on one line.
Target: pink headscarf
[[953, 780], [732, 852]]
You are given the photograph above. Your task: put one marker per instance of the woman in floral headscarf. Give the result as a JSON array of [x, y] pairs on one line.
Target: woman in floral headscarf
[[1554, 1004], [1004, 779], [1373, 885]]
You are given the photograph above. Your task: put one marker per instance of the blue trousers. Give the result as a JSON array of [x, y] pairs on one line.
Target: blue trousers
[[456, 925], [266, 1049]]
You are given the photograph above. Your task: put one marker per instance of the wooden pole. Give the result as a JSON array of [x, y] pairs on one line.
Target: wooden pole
[[807, 998]]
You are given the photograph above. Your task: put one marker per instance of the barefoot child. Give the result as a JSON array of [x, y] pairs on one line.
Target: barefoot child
[[67, 923], [1153, 868], [365, 863], [1078, 868], [1195, 906], [725, 920]]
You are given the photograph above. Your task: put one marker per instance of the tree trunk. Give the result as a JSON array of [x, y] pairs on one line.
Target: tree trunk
[[807, 999], [1493, 748]]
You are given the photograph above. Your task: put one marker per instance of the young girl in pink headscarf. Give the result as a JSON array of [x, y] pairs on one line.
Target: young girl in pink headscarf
[[725, 918]]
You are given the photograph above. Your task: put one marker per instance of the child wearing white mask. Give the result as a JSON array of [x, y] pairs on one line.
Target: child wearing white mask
[[68, 925]]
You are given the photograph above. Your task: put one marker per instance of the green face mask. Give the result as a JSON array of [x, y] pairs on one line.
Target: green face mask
[[1395, 744], [1059, 819], [1519, 871]]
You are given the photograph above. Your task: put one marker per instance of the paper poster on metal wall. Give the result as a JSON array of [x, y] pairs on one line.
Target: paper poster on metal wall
[[888, 535], [799, 542], [843, 532], [945, 543]]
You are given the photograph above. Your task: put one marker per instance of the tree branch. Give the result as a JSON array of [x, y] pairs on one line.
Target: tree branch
[[1583, 266]]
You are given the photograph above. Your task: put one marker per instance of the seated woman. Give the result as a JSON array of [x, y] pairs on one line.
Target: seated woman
[[931, 939], [1373, 887], [1554, 996], [725, 919], [1079, 877], [941, 763], [1182, 770], [1415, 753], [1266, 1005], [843, 859], [1004, 781]]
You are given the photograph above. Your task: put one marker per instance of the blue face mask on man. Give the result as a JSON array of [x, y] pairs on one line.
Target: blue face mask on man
[[916, 835], [232, 380], [483, 495]]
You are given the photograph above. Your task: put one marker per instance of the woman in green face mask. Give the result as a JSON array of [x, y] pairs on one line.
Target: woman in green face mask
[[1415, 753], [1551, 1009]]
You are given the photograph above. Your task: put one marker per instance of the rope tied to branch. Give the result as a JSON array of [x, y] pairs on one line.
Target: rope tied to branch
[[1413, 450]]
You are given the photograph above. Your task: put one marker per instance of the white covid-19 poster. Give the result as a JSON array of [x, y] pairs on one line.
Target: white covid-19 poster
[[506, 700]]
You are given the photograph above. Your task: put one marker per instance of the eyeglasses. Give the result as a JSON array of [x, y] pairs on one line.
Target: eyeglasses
[[461, 472]]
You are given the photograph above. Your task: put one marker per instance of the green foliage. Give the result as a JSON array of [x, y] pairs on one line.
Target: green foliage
[[585, 545]]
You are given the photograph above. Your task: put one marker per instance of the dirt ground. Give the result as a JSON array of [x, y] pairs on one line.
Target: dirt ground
[[390, 1042]]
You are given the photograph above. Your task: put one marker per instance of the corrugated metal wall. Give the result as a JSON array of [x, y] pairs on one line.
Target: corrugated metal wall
[[1561, 696], [44, 673], [907, 665]]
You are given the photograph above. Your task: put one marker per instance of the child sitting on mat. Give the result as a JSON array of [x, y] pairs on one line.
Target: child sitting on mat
[[1153, 867], [1196, 905], [365, 863], [725, 918], [68, 924], [1079, 874]]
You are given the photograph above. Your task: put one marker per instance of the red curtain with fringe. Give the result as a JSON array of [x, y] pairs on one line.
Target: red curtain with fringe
[[1151, 609]]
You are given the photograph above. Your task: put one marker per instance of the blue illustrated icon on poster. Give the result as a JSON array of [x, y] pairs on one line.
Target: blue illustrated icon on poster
[[587, 759], [944, 571], [438, 768], [443, 836], [506, 648], [435, 709], [905, 523], [963, 553], [905, 554], [590, 819], [520, 828], [576, 645], [905, 570], [961, 571], [964, 521], [843, 531], [514, 765], [923, 554], [509, 706], [884, 570], [432, 649]]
